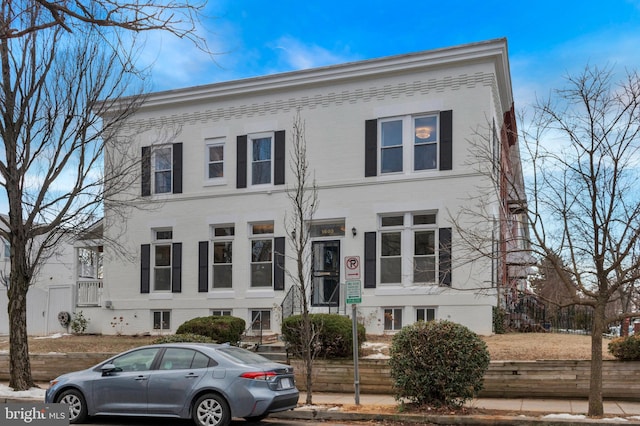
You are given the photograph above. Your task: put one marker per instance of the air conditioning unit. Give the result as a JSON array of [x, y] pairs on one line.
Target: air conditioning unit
[[108, 304]]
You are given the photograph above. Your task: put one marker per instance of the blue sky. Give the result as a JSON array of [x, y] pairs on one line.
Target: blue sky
[[547, 39]]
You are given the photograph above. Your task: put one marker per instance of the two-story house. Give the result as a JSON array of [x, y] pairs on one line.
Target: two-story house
[[389, 144]]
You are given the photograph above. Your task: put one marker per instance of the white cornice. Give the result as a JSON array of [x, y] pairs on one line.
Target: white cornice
[[492, 50]]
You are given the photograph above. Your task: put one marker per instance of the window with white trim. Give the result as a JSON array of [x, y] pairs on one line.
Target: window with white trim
[[261, 155], [220, 312], [162, 320], [392, 319], [261, 238], [215, 158], [222, 270], [162, 162], [408, 248], [162, 255], [260, 320], [408, 143], [425, 314]]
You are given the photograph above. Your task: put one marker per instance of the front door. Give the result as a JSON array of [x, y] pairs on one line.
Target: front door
[[326, 273]]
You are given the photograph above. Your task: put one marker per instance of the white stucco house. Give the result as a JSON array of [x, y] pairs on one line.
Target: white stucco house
[[388, 142], [65, 282]]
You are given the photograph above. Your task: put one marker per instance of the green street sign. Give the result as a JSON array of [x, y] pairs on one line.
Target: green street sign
[[353, 292]]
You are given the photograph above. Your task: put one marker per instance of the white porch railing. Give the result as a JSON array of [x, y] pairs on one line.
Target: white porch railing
[[89, 293]]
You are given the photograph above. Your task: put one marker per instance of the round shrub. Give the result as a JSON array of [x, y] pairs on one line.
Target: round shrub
[[437, 363], [335, 338], [220, 329], [183, 338], [625, 348]]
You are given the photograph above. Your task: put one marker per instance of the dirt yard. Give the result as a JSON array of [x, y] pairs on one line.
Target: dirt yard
[[502, 347]]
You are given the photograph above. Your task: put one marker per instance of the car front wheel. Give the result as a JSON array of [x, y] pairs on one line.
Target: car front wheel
[[211, 410], [76, 403]]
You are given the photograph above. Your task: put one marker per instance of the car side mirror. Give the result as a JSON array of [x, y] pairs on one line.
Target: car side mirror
[[107, 369]]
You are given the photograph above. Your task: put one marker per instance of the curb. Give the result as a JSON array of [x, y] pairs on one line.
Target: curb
[[496, 420]]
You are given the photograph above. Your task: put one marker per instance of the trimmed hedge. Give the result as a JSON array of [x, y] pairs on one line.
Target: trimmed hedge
[[220, 329], [335, 339], [625, 348], [183, 338], [437, 363]]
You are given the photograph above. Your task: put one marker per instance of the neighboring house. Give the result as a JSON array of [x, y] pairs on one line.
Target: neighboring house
[[60, 285], [389, 145]]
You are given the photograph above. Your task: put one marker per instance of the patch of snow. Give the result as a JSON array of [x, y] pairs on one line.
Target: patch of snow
[[377, 356], [564, 416], [53, 336], [613, 419], [35, 393], [374, 345]]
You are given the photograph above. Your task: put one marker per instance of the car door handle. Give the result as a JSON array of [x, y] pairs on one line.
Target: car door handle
[[140, 378], [191, 376]]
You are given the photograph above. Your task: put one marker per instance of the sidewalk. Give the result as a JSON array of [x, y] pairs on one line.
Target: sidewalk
[[499, 411]]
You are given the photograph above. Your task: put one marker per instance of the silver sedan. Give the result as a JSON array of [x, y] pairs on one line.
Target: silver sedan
[[208, 383]]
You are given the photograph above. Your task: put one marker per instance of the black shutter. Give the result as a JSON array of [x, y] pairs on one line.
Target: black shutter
[[369, 260], [241, 161], [177, 168], [444, 256], [279, 158], [145, 267], [446, 140], [146, 171], [176, 268], [203, 266], [371, 148], [278, 264]]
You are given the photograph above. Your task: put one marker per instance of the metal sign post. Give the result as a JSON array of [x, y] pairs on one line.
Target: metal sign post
[[356, 373]]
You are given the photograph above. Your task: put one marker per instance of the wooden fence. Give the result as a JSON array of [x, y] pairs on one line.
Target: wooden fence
[[504, 379]]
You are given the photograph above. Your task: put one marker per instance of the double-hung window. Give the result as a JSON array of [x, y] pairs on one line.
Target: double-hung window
[[408, 143], [162, 170], [215, 158], [261, 235], [408, 248], [223, 256], [261, 159], [391, 249], [161, 320], [162, 255], [392, 319]]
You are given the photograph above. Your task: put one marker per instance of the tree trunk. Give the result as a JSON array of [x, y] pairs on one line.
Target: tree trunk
[[19, 363], [596, 408]]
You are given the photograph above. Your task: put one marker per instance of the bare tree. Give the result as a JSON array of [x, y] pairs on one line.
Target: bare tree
[[177, 17], [581, 150], [61, 98], [304, 203]]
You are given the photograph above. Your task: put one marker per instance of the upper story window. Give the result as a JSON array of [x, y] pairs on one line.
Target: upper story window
[[261, 155], [409, 143], [261, 235], [215, 158], [261, 159], [161, 169], [223, 256], [162, 255]]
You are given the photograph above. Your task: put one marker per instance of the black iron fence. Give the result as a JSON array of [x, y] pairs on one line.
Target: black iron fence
[[528, 314]]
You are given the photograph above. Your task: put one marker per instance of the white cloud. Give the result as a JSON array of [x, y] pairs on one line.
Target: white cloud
[[296, 55]]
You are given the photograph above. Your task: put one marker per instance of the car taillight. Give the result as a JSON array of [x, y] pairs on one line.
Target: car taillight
[[259, 375]]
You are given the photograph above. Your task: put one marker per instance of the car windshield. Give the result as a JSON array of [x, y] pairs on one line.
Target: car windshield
[[244, 356]]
